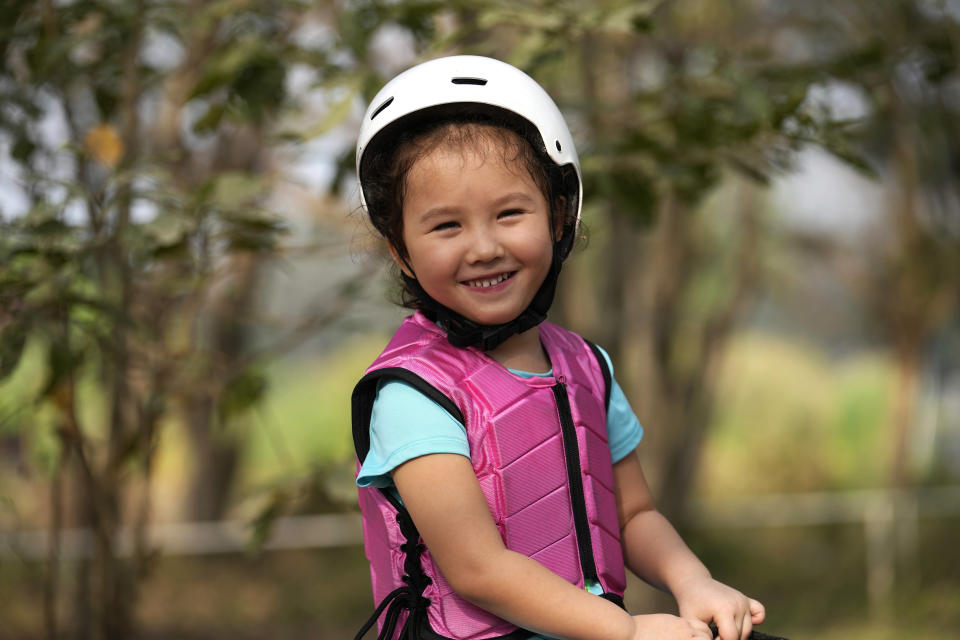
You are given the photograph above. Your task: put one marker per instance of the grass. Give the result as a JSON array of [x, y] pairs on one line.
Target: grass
[[291, 594], [305, 421], [813, 581], [790, 419]]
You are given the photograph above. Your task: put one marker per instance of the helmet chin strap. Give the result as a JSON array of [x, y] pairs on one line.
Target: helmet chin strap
[[463, 332]]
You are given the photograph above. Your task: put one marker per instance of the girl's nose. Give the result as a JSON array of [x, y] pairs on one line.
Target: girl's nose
[[484, 246]]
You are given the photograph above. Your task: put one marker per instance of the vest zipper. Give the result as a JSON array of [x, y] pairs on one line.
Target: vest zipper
[[571, 452]]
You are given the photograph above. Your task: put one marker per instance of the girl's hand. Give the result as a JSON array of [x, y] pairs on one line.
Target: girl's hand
[[667, 627], [707, 600]]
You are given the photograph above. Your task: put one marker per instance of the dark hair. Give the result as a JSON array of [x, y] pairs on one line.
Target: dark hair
[[384, 168]]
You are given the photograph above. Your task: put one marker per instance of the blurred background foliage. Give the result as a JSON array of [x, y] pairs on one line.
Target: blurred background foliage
[[188, 290]]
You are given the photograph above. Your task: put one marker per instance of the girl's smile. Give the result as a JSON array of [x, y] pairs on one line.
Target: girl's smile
[[477, 231], [491, 283]]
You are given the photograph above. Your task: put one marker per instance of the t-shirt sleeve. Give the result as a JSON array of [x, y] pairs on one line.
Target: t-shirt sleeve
[[406, 424], [623, 428]]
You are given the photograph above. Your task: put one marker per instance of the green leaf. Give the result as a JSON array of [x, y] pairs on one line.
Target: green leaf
[[167, 234], [23, 149], [242, 393], [693, 180], [419, 17], [259, 85], [787, 103], [210, 120], [43, 220], [633, 15], [233, 189], [223, 66], [853, 158], [262, 524], [252, 230], [528, 49], [346, 90], [13, 339], [61, 363], [634, 193], [748, 170]]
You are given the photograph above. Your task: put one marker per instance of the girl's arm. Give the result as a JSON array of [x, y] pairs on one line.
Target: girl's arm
[[444, 499], [655, 552]]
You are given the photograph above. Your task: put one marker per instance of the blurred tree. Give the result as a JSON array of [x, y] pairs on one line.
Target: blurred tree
[[911, 283], [902, 59], [234, 64], [138, 135]]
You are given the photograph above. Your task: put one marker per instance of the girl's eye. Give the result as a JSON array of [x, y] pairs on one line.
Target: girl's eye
[[445, 225], [510, 212]]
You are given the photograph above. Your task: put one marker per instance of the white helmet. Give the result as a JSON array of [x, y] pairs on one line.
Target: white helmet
[[474, 84]]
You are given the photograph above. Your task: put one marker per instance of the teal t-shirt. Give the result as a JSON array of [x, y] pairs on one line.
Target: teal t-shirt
[[396, 438]]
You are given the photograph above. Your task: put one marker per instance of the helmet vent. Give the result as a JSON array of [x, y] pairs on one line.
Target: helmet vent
[[479, 81], [559, 148], [386, 103]]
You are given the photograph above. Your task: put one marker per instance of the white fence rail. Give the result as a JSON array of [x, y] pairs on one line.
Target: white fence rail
[[812, 509], [196, 538], [875, 509]]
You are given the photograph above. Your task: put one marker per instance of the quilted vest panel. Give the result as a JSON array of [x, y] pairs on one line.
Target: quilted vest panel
[[539, 449]]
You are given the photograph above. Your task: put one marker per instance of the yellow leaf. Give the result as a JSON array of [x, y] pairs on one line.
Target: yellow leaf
[[105, 145]]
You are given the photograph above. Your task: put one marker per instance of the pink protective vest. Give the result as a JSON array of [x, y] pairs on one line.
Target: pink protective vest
[[539, 449]]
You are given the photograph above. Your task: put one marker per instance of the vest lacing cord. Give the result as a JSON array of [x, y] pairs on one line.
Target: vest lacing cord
[[409, 597]]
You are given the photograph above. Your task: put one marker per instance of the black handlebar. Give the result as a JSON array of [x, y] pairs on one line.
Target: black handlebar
[[754, 635]]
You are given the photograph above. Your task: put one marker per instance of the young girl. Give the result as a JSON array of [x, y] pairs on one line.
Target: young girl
[[500, 490]]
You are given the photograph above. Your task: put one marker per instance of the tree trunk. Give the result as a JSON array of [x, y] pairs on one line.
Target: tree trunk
[[216, 450], [215, 459], [51, 591]]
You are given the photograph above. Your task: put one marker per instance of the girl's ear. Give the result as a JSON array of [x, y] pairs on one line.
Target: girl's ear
[[399, 260]]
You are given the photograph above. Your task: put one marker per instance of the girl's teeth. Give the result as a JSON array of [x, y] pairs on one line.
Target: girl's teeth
[[488, 283]]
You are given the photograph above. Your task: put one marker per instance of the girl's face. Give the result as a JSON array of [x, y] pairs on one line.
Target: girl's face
[[477, 231]]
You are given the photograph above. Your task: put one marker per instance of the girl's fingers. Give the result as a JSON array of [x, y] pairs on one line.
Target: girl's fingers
[[700, 625], [728, 628], [746, 626], [700, 628], [757, 611]]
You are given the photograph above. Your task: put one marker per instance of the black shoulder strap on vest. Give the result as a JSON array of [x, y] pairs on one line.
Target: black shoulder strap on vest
[[607, 377], [366, 392], [408, 597]]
